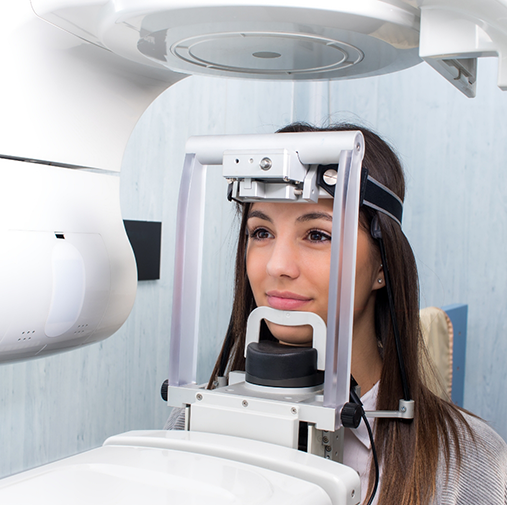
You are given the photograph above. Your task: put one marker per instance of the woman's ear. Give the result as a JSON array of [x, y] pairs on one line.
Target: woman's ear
[[379, 278]]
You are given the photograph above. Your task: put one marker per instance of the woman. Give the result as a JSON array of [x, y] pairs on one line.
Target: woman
[[444, 455]]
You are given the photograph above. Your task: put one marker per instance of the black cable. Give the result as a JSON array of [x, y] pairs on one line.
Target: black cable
[[375, 459], [376, 233], [355, 398]]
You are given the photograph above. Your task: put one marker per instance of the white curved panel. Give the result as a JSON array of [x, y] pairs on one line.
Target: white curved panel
[[162, 467], [68, 272], [69, 287]]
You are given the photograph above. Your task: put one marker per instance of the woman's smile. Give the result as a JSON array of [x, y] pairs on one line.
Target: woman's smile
[[286, 300]]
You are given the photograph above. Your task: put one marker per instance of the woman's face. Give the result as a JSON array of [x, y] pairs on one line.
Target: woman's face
[[288, 258]]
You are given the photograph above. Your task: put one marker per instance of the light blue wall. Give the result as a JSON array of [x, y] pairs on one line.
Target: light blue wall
[[454, 151]]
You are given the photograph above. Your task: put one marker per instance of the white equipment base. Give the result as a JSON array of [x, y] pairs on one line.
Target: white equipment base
[[160, 467]]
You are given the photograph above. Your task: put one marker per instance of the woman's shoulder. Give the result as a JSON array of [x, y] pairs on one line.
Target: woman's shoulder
[[482, 476], [486, 438]]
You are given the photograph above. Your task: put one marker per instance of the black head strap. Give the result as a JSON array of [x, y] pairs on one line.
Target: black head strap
[[373, 193]]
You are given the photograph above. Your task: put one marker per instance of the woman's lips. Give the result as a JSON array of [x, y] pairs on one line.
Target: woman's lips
[[286, 300]]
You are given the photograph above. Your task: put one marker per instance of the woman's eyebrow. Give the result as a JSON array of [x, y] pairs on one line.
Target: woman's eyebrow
[[260, 215], [314, 215]]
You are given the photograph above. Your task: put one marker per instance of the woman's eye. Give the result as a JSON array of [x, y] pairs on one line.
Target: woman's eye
[[318, 236], [260, 234]]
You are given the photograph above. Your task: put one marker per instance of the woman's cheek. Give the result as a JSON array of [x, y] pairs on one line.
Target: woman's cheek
[[256, 274]]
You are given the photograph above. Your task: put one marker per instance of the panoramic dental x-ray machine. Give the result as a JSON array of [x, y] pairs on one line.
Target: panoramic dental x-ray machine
[[77, 77]]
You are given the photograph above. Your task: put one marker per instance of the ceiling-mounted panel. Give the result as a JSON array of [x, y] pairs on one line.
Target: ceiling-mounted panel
[[255, 39], [293, 39]]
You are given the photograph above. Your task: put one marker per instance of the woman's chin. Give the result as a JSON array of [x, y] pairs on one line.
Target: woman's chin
[[292, 335]]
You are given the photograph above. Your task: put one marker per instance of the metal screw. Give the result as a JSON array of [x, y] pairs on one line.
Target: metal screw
[[325, 440], [403, 409], [198, 396], [330, 176], [244, 403], [294, 410], [328, 448], [358, 147], [266, 164]]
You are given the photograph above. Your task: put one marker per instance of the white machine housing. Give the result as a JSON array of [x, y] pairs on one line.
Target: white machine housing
[[160, 467], [68, 272]]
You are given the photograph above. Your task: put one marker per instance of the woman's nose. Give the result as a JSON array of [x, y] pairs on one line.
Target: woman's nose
[[283, 261]]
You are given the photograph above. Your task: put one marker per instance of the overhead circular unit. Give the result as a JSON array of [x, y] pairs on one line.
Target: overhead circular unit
[[268, 40], [291, 39]]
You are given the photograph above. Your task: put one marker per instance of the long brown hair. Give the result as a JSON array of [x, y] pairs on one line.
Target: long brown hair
[[408, 451]]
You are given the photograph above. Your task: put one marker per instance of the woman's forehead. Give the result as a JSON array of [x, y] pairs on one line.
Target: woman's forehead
[[323, 209]]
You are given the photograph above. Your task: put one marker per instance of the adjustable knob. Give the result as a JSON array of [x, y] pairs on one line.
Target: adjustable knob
[[163, 390], [351, 415]]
